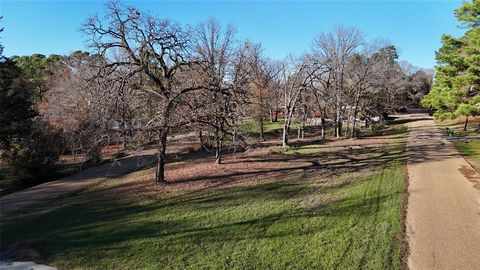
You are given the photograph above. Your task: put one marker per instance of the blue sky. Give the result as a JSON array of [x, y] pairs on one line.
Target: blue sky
[[283, 27]]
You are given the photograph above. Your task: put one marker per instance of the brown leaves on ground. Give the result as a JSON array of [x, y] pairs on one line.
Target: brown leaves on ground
[[254, 166]]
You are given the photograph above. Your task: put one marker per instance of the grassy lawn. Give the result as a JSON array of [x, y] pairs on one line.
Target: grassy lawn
[[7, 181], [302, 220], [468, 149], [268, 126], [456, 126]]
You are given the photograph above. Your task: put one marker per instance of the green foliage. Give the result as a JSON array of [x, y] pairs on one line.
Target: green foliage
[[389, 53], [30, 147], [468, 149], [36, 69], [469, 14], [457, 81], [16, 107], [34, 157]]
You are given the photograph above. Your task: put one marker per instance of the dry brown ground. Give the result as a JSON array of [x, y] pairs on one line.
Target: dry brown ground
[[267, 163]]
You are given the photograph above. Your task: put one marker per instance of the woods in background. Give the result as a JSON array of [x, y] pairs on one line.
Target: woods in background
[[146, 78]]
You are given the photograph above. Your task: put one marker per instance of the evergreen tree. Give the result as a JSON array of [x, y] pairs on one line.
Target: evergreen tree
[[456, 90]]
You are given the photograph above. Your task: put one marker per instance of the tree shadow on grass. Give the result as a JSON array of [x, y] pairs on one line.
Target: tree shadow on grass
[[92, 225]]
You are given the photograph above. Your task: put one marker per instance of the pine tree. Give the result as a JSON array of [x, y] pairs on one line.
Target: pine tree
[[456, 90]]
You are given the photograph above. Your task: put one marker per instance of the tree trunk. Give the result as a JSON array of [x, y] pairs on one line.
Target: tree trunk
[[286, 129], [322, 125], [162, 147], [218, 152], [200, 137], [218, 146], [234, 139], [354, 123], [338, 127], [466, 123], [271, 114], [347, 129], [275, 119], [260, 122]]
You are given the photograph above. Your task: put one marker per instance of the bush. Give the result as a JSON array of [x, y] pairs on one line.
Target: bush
[[34, 157]]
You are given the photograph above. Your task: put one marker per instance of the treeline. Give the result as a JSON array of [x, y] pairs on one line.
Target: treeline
[[146, 78], [457, 77]]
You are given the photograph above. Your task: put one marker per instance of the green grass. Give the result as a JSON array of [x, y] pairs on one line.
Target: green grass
[[468, 149], [8, 183], [268, 126], [7, 180], [456, 126], [297, 222]]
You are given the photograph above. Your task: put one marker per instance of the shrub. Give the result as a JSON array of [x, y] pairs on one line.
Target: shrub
[[34, 157]]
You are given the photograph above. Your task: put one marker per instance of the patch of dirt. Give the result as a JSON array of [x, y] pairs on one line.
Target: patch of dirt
[[471, 175], [254, 166], [205, 173]]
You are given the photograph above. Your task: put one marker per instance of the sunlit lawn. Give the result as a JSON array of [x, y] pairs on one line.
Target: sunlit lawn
[[469, 146], [297, 222]]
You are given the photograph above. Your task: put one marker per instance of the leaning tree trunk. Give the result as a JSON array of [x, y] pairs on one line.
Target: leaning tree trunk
[[218, 146], [235, 140], [466, 123], [161, 155]]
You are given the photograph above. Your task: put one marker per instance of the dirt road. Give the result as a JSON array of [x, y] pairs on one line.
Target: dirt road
[[443, 216]]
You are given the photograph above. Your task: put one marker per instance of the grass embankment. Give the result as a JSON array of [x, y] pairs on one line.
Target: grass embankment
[[467, 141], [456, 127], [7, 181], [344, 214], [470, 151], [9, 184]]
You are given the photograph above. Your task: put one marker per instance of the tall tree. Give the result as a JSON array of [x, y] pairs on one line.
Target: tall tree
[[297, 74], [334, 50], [216, 48], [16, 102], [37, 69], [263, 72], [82, 108], [158, 49], [456, 90]]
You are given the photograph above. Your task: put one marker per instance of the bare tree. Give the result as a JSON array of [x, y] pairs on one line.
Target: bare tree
[[82, 108], [158, 49], [364, 70], [216, 48], [334, 50], [297, 75], [262, 74]]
